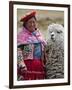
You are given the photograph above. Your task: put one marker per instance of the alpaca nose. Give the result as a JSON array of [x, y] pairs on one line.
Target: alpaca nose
[[52, 34]]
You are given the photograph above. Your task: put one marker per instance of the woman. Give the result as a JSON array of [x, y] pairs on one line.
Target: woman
[[33, 68]]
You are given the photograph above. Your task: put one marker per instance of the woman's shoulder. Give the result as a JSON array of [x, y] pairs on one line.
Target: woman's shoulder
[[22, 37], [22, 32]]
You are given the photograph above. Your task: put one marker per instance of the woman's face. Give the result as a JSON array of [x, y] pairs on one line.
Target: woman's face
[[31, 24]]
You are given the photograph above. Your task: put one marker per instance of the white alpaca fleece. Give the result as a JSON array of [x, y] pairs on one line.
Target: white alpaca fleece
[[55, 52]]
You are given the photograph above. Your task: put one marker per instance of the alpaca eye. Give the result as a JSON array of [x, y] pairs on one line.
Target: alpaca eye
[[58, 32], [51, 31]]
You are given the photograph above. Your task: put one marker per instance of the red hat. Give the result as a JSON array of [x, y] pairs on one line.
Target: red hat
[[28, 16]]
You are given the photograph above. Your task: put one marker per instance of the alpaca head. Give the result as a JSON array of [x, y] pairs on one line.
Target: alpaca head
[[55, 32]]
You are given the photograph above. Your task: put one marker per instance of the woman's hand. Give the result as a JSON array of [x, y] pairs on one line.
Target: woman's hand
[[23, 66], [24, 69]]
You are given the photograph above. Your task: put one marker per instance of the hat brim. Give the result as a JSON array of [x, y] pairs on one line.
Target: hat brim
[[28, 16]]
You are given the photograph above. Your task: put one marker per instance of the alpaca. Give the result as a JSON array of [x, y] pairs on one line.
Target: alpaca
[[55, 52]]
